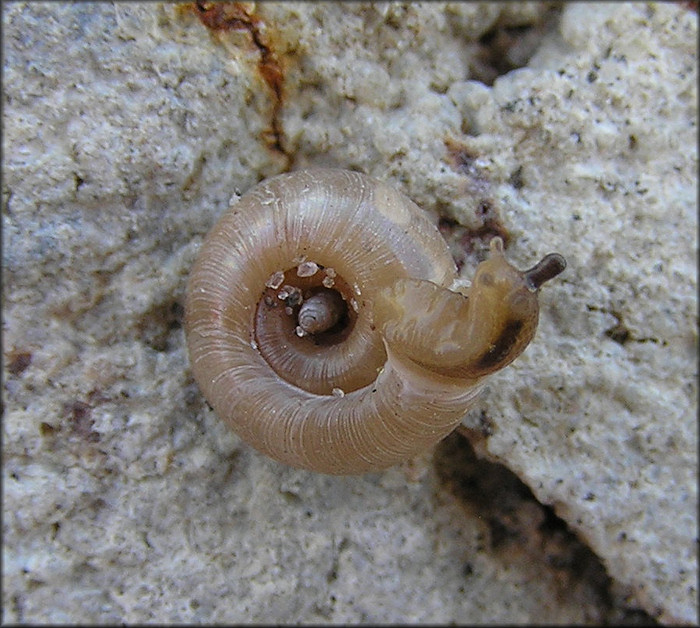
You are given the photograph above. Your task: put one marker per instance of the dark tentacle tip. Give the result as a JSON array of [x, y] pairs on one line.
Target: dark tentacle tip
[[547, 268]]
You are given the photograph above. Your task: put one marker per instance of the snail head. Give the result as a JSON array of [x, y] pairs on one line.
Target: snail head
[[466, 336]]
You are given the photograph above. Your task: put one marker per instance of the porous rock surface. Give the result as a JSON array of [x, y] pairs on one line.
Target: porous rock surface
[[129, 128]]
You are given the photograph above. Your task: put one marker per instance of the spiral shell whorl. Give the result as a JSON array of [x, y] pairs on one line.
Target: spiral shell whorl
[[369, 235], [383, 360]]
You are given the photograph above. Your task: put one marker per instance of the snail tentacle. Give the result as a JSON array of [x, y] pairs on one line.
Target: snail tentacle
[[321, 328]]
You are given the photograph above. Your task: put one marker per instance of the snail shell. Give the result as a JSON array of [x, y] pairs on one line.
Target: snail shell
[[320, 325]]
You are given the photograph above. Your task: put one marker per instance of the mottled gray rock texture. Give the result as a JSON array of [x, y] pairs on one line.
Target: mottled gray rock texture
[[127, 130]]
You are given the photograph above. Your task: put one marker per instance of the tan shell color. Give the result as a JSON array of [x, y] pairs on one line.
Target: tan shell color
[[416, 353]]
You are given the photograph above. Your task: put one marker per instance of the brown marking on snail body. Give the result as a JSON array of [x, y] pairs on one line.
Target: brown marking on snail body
[[504, 344], [397, 358]]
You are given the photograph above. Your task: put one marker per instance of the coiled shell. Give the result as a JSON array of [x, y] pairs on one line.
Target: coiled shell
[[382, 376]]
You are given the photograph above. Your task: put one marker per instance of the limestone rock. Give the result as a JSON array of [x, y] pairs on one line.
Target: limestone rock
[[128, 129]]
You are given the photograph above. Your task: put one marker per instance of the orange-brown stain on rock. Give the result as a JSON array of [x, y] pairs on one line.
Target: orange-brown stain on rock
[[221, 17]]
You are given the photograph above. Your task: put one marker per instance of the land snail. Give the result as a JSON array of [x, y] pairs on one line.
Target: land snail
[[321, 326]]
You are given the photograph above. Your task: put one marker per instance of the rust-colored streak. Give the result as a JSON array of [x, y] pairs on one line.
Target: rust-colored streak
[[225, 16], [235, 16], [219, 16]]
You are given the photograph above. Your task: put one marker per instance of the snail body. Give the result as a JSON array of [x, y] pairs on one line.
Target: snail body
[[320, 324]]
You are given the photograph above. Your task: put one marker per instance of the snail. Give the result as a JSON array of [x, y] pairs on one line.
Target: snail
[[321, 326]]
